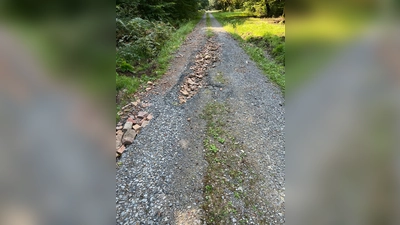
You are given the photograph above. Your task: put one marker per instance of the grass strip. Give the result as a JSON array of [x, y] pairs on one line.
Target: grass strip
[[245, 30]]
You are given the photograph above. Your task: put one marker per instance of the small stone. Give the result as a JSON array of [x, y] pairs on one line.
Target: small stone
[[149, 117], [118, 138], [233, 220], [148, 89], [145, 123], [129, 136], [142, 114], [220, 89], [184, 92], [141, 121], [119, 127], [190, 81], [188, 119], [121, 149], [137, 127], [127, 126], [135, 103], [149, 82], [130, 119]]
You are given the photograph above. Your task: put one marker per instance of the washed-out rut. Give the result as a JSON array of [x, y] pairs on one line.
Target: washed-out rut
[[164, 176]]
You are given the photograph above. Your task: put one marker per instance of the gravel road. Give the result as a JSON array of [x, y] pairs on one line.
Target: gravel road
[[160, 177]]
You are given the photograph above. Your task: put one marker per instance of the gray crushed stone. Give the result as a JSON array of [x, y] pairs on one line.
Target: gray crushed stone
[[159, 177]]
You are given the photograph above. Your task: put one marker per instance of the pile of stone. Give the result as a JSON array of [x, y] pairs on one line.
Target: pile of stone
[[126, 132], [207, 57]]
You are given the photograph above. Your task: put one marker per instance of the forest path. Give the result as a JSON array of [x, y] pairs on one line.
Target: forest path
[[214, 150]]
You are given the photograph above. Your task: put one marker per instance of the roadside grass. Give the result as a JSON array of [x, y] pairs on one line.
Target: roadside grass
[[127, 84], [258, 36], [230, 178]]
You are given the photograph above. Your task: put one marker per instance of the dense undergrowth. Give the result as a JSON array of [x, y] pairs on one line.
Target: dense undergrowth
[[259, 37], [144, 49]]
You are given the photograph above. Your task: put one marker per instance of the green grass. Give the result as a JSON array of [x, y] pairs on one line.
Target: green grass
[[226, 169], [255, 36], [132, 85]]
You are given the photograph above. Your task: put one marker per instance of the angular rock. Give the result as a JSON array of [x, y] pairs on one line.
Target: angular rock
[[145, 105], [142, 114], [149, 82], [184, 92], [121, 149], [128, 137], [182, 100], [149, 117], [118, 138], [128, 125], [190, 81], [137, 127]]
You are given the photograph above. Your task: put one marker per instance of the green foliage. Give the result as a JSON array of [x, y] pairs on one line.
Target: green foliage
[[258, 8], [144, 49], [127, 84], [258, 36], [279, 53], [139, 39], [173, 11], [124, 66], [213, 148]]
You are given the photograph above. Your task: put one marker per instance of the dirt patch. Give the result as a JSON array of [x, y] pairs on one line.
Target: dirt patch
[[182, 58]]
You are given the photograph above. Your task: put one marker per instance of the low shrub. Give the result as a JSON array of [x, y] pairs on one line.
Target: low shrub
[[139, 40]]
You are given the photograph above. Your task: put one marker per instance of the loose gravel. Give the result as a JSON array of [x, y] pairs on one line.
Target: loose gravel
[[159, 178]]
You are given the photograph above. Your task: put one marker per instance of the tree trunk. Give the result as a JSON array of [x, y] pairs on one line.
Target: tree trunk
[[268, 9]]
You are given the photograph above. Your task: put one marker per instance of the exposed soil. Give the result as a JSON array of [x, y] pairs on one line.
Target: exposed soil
[[214, 158]]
